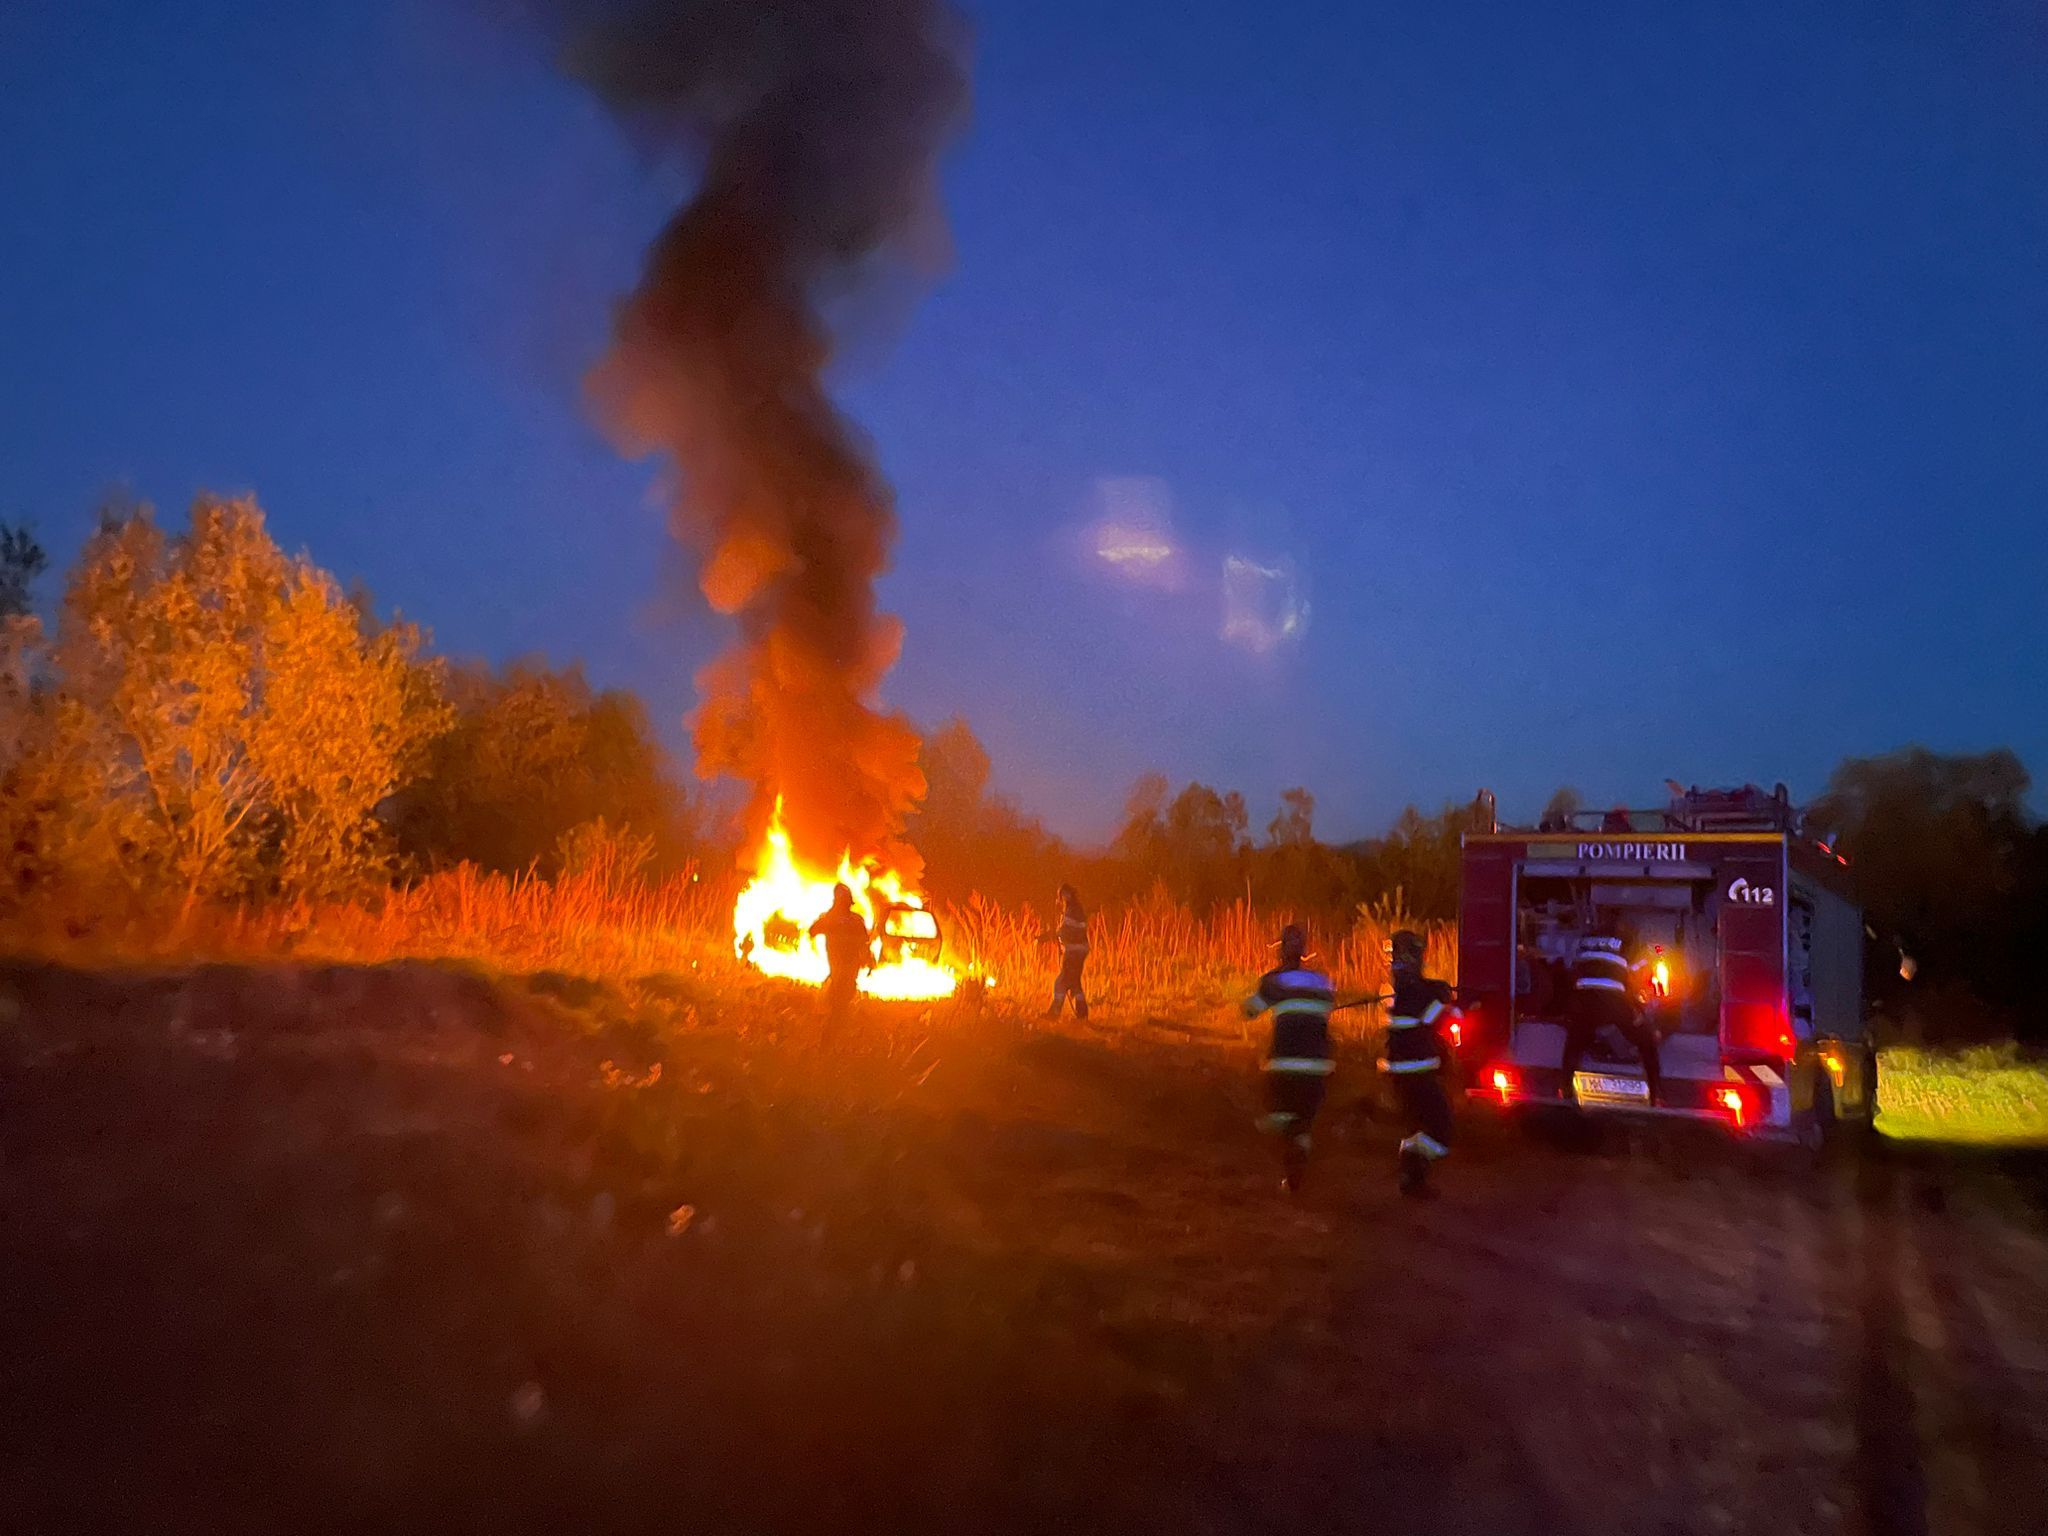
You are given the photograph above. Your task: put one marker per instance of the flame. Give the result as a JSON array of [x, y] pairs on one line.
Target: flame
[[771, 921]]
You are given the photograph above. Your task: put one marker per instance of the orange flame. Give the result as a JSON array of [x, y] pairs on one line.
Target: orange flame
[[771, 921]]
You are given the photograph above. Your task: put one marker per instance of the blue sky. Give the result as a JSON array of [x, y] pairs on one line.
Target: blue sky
[[1635, 391]]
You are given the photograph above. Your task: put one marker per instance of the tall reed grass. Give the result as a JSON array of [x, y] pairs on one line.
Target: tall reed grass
[[601, 920], [1160, 956]]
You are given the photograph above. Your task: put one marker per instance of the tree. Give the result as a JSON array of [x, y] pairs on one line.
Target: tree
[[1564, 803], [1293, 825], [1420, 858], [347, 717], [217, 721], [533, 752], [974, 841], [1294, 871], [1139, 832], [956, 773], [22, 560], [1940, 851], [1193, 844]]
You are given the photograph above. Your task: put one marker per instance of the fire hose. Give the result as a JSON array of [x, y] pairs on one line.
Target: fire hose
[[1378, 998], [1364, 1002]]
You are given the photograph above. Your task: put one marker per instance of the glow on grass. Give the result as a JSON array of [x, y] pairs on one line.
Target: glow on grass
[[1982, 1097]]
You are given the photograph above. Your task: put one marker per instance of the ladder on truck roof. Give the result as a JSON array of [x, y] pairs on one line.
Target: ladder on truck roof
[[1747, 809]]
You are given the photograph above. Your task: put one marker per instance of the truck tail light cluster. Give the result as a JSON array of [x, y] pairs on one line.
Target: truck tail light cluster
[[1736, 1102]]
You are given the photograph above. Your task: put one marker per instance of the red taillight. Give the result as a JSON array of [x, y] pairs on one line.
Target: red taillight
[[1736, 1105], [1457, 1034], [1504, 1083]]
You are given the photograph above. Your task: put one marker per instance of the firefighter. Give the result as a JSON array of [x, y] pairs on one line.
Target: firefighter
[[1298, 1061], [1415, 1059], [1072, 937], [1606, 994], [848, 950]]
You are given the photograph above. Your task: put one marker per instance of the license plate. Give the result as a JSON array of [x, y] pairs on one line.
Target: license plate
[[1625, 1090]]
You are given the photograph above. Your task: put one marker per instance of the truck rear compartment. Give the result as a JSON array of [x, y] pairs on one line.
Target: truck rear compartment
[[1670, 920]]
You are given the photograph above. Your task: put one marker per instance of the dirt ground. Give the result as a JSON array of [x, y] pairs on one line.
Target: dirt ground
[[410, 1249]]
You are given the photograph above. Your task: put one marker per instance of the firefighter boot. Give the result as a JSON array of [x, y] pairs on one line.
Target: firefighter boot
[[1415, 1173], [1293, 1163]]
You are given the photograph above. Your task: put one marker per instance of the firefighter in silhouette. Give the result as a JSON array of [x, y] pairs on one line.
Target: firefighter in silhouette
[[1298, 1061], [848, 950], [1072, 937], [1416, 1055], [1607, 994]]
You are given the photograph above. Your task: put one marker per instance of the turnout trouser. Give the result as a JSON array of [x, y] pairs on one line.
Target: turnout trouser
[[1292, 1100], [1068, 983], [1595, 1010], [841, 988], [1425, 1111]]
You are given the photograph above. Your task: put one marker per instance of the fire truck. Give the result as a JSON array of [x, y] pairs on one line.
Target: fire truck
[[1750, 955]]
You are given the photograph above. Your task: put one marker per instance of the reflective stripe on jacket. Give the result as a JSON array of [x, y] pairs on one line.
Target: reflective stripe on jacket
[[1600, 966], [1418, 1006], [1300, 1002]]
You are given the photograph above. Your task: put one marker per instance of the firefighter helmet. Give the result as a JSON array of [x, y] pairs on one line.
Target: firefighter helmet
[[1292, 943], [1406, 946]]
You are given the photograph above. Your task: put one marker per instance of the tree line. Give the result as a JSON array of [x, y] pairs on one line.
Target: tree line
[[1195, 847], [206, 718]]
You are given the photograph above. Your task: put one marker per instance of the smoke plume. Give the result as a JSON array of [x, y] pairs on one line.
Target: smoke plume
[[813, 128]]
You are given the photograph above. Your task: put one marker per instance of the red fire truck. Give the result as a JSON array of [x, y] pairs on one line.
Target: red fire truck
[[1752, 974]]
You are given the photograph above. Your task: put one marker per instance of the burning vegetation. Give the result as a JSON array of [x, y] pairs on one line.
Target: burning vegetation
[[815, 127]]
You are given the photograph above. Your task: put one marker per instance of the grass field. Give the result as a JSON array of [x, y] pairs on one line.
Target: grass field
[[1988, 1096], [1152, 963]]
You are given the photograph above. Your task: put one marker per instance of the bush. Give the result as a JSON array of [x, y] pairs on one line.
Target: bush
[[214, 720], [533, 753]]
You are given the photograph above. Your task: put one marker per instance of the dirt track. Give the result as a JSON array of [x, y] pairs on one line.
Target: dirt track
[[394, 1249]]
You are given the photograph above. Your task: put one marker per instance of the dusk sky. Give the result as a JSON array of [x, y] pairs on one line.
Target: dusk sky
[[1632, 391]]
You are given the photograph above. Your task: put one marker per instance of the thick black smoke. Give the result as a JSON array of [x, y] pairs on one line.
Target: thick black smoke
[[814, 127]]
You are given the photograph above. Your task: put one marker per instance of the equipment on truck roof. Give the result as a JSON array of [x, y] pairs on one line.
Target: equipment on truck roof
[[1747, 809]]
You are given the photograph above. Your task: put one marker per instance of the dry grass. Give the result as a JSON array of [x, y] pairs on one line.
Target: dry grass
[[1158, 957], [586, 923], [590, 923], [1152, 958]]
